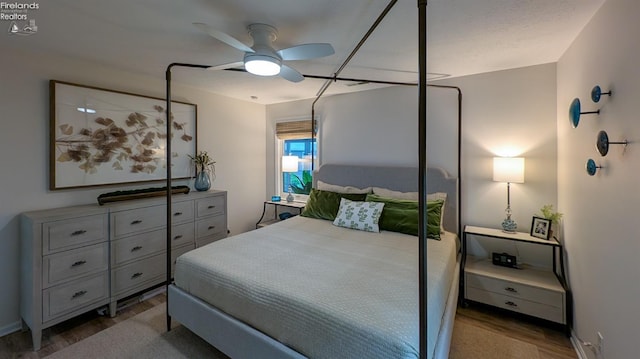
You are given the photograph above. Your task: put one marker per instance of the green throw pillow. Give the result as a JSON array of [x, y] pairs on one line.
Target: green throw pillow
[[325, 204], [402, 216]]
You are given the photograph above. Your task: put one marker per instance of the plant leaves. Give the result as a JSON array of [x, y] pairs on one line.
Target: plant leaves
[[64, 157], [104, 121]]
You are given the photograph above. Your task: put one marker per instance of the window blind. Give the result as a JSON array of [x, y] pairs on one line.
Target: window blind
[[293, 130]]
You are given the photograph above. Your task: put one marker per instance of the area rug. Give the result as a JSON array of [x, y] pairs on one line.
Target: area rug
[[144, 336], [474, 342]]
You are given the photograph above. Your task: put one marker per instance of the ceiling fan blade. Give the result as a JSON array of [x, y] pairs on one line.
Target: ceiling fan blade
[[306, 51], [290, 74], [229, 65], [231, 41]]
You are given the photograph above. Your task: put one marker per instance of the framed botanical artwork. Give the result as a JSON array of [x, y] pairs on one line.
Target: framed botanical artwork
[[540, 227], [103, 137]]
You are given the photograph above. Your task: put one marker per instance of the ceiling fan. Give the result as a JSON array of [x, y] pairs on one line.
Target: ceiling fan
[[262, 59]]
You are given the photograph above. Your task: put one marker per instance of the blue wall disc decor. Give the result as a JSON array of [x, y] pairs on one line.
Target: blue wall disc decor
[[574, 112], [602, 143], [591, 167], [596, 93]]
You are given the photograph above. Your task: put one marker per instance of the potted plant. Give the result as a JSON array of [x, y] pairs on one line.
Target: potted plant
[[205, 170], [548, 213]]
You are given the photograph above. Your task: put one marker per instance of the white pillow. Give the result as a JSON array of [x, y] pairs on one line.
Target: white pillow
[[363, 216], [323, 186]]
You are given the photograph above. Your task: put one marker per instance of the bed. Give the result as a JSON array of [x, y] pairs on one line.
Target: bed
[[306, 288]]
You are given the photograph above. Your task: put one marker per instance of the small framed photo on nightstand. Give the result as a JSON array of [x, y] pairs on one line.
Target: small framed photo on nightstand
[[540, 227]]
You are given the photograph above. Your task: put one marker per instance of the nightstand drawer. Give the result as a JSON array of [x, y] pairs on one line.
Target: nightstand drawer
[[552, 313], [514, 290], [213, 226], [138, 274], [211, 206], [72, 233], [75, 263], [66, 298]]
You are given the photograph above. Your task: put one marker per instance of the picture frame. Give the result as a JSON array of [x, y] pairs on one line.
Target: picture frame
[[540, 228], [100, 137]]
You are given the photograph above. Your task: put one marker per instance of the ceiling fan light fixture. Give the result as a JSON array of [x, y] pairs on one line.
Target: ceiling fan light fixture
[[262, 65]]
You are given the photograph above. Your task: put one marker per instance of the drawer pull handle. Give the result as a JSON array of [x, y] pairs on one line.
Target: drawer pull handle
[[78, 294], [78, 263], [511, 304], [211, 207], [78, 232], [136, 275], [212, 227], [136, 248], [177, 237], [137, 221], [178, 214], [511, 289]]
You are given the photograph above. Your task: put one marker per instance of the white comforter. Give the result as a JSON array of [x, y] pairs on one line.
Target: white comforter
[[325, 291]]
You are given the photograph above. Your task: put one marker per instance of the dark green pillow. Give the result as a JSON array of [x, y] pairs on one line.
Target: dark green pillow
[[325, 204], [400, 215]]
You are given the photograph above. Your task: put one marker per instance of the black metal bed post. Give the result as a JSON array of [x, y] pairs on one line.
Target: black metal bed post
[[422, 172], [325, 86], [168, 163]]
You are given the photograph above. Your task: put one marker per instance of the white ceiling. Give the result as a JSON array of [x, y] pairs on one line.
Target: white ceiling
[[464, 37]]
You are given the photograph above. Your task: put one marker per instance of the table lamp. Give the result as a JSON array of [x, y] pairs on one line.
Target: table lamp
[[290, 165], [510, 170]]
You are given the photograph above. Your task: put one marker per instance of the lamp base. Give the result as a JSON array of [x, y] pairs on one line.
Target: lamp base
[[509, 225], [290, 197]]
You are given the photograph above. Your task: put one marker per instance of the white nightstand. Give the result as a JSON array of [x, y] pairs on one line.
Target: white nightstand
[[537, 292]]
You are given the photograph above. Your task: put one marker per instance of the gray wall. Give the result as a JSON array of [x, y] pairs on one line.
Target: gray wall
[[601, 236], [232, 131]]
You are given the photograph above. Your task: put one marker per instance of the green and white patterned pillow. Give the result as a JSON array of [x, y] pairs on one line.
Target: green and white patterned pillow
[[363, 216]]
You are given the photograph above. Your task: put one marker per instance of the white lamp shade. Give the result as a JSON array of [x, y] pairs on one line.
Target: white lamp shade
[[508, 169], [289, 163]]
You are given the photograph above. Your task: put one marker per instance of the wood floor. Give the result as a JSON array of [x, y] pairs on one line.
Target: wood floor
[[550, 339], [551, 342]]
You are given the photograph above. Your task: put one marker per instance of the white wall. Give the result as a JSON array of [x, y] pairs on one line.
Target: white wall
[[232, 131], [601, 236], [511, 113]]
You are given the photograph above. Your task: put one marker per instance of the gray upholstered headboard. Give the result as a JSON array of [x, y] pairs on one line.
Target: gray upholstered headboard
[[403, 179]]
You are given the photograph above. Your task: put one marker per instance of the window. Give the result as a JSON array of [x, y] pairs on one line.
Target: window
[[295, 141]]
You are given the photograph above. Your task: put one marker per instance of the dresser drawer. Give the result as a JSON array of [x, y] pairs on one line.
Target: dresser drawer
[[137, 220], [203, 241], [66, 298], [515, 290], [552, 313], [71, 233], [210, 206], [175, 253], [134, 247], [212, 226], [139, 274], [65, 266], [182, 212], [182, 234]]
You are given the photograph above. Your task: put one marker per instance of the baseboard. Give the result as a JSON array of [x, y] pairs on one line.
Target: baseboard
[[578, 346], [11, 328]]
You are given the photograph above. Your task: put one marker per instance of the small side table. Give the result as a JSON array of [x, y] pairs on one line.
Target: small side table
[[296, 205]]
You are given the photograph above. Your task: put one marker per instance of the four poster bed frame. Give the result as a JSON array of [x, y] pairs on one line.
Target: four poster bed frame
[[224, 331]]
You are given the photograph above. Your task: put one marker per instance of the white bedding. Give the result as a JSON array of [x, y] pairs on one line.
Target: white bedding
[[324, 291]]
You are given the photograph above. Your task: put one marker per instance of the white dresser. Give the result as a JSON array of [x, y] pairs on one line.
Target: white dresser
[[80, 258]]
